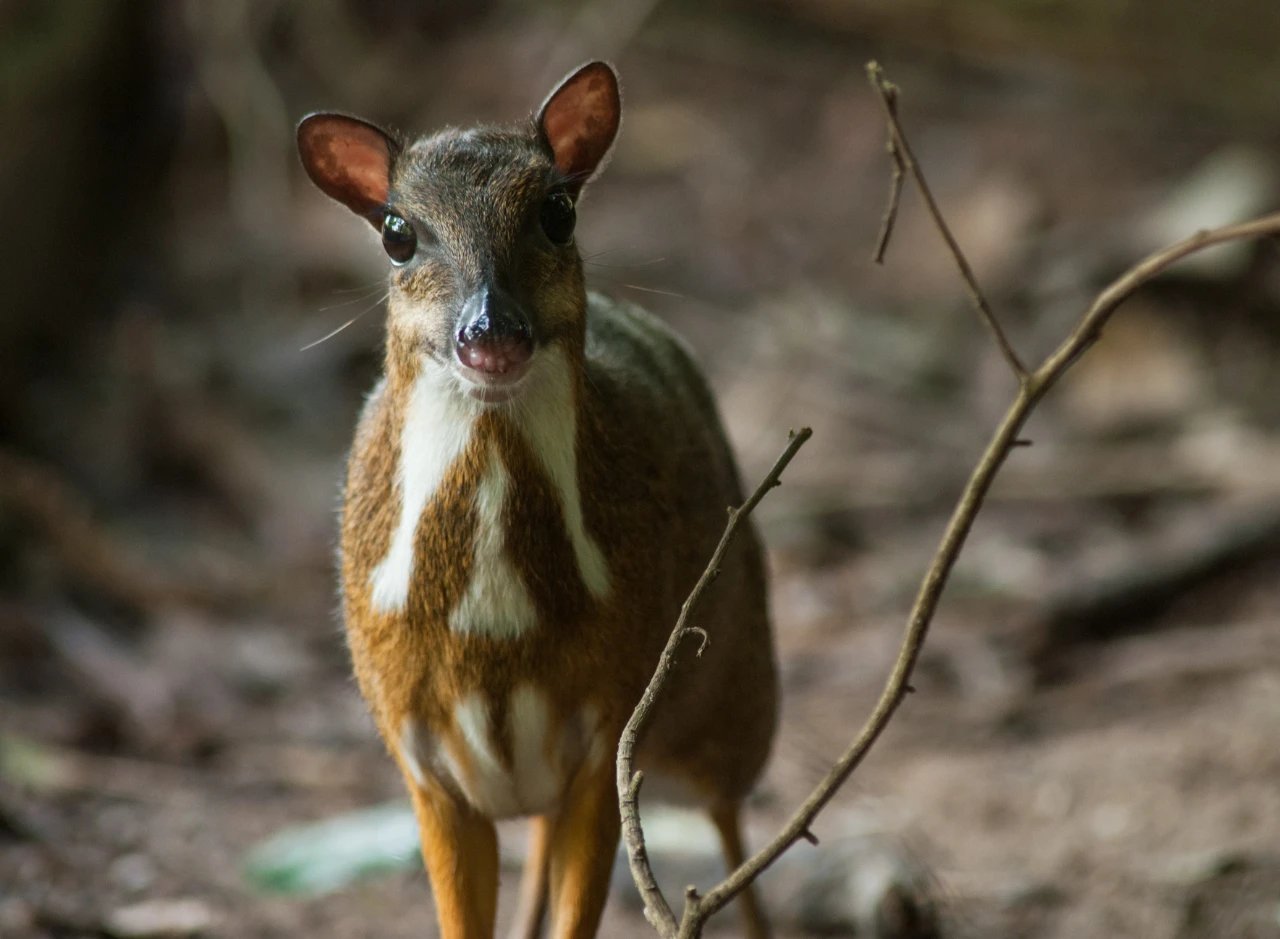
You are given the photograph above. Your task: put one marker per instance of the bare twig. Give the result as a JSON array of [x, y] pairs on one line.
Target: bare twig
[[889, 94], [1032, 386], [94, 556], [1090, 327], [903, 156], [656, 909]]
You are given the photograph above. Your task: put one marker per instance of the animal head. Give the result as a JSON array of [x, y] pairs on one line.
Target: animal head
[[478, 227]]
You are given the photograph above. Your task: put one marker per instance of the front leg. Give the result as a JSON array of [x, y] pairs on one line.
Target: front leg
[[584, 840], [460, 849]]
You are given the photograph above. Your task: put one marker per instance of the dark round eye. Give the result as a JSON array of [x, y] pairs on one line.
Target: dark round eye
[[398, 238], [558, 218]]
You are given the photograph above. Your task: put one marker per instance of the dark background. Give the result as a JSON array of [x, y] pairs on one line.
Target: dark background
[[1094, 748]]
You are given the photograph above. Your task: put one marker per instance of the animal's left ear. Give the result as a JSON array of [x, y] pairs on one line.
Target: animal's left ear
[[579, 121]]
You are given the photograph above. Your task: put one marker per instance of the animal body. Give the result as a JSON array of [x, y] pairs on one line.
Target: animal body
[[534, 487]]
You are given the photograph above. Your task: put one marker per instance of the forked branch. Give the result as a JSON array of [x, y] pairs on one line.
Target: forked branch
[[1032, 386], [656, 909], [905, 160]]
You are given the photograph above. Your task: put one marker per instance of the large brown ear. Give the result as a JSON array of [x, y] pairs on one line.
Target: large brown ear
[[579, 120], [350, 160]]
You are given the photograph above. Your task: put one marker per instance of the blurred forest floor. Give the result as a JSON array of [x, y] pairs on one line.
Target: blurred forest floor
[[1094, 748]]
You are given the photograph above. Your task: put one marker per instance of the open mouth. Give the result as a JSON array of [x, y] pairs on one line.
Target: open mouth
[[492, 373]]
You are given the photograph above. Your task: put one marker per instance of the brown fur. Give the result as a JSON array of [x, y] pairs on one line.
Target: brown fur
[[655, 476]]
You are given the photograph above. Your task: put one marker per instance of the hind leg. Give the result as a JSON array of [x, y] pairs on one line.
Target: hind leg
[[584, 840], [728, 822], [531, 908]]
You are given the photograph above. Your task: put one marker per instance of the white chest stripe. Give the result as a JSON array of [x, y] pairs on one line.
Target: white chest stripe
[[538, 764], [548, 421], [439, 422], [496, 602]]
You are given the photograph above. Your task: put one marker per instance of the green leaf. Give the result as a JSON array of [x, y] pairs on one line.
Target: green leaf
[[327, 855], [32, 764]]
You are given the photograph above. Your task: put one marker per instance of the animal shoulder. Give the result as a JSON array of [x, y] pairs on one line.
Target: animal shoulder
[[652, 364]]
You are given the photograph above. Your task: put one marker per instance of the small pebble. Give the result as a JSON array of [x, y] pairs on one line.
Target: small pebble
[[179, 917], [1109, 821], [133, 872], [16, 917]]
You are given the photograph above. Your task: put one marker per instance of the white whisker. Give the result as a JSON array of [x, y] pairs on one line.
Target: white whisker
[[332, 333], [665, 293]]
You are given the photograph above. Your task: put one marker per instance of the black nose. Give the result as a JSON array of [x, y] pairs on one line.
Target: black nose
[[493, 335]]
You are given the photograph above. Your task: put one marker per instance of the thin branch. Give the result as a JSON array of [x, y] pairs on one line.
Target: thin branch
[[1090, 326], [889, 92], [656, 909], [898, 685], [1002, 442], [889, 99]]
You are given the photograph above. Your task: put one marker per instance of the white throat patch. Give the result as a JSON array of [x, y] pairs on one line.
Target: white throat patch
[[439, 423], [548, 421], [437, 428]]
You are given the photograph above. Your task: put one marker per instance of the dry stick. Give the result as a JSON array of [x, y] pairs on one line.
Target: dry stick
[[87, 550], [903, 156], [1032, 387], [1002, 442], [656, 910], [890, 95]]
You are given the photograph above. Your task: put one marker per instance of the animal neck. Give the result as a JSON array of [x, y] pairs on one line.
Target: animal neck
[[453, 447]]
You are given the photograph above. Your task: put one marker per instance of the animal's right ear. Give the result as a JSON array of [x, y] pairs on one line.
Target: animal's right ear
[[349, 160]]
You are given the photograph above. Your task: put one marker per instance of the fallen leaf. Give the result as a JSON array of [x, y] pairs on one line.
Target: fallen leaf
[[326, 855]]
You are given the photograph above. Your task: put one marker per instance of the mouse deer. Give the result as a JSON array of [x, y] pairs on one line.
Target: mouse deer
[[536, 483]]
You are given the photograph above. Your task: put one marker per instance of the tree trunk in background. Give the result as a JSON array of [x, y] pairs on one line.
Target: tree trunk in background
[[89, 103]]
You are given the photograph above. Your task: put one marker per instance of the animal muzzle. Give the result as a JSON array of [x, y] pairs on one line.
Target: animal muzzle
[[494, 339]]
